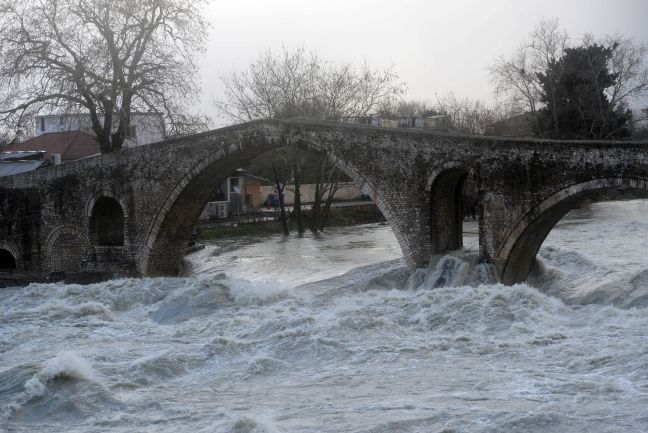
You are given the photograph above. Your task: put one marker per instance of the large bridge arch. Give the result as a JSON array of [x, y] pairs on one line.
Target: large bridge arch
[[517, 254], [164, 244]]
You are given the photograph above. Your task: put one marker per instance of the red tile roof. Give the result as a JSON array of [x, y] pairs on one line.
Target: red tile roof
[[70, 145]]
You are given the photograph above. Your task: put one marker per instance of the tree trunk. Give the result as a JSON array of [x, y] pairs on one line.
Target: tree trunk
[[317, 202], [280, 189], [297, 205], [282, 206], [333, 187]]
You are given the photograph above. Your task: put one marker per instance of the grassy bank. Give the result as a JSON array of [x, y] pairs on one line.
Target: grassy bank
[[341, 216]]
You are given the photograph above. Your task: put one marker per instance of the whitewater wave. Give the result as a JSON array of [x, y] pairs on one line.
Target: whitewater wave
[[65, 365], [64, 368], [576, 279], [370, 349]]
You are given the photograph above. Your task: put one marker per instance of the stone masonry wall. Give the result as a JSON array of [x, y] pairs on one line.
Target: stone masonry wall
[[161, 188]]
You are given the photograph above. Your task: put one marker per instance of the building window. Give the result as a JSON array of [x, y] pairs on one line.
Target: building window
[[42, 124], [235, 185], [131, 132]]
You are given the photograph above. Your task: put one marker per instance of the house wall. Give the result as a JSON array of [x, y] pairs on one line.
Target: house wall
[[251, 188], [389, 123], [148, 127], [347, 191], [437, 122]]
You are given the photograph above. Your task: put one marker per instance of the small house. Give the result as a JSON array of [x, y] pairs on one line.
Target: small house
[[411, 122], [69, 145], [240, 194]]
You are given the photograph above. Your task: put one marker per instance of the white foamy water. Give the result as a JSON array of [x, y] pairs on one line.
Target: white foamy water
[[332, 334]]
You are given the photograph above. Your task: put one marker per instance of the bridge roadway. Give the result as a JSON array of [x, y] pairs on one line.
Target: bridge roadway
[[132, 212]]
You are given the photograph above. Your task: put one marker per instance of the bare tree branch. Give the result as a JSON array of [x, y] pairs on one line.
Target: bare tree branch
[[105, 58]]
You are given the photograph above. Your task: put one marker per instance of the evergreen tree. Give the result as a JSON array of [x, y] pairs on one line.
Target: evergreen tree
[[575, 103]]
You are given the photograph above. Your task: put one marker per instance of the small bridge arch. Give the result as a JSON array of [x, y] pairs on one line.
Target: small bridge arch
[[445, 187]]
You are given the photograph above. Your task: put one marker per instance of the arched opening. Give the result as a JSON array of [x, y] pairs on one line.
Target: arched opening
[[518, 254], [66, 250], [449, 207], [107, 223], [7, 261], [172, 228]]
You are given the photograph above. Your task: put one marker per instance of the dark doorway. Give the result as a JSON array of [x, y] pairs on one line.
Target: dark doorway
[[107, 223]]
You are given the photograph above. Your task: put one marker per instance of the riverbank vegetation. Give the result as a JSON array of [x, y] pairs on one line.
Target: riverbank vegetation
[[339, 216]]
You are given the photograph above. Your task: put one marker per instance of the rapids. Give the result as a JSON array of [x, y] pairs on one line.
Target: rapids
[[331, 333]]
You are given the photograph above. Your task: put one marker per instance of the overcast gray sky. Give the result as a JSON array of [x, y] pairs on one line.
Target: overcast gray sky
[[435, 46]]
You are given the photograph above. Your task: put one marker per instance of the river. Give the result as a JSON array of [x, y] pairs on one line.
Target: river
[[331, 333]]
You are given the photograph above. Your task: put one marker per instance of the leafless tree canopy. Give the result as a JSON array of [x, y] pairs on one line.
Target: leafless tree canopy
[[516, 78], [299, 84], [465, 115], [108, 58], [629, 63], [410, 108], [468, 116]]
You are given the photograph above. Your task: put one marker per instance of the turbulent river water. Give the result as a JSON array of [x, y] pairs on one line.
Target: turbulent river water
[[333, 334]]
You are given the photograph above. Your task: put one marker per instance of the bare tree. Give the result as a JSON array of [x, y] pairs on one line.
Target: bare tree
[[102, 57], [466, 115], [628, 64], [297, 208], [516, 78], [297, 83], [327, 184], [281, 177], [275, 86], [410, 108], [300, 84]]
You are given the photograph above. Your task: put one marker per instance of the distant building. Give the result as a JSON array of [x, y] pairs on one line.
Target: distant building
[[70, 145], [239, 194], [345, 191], [439, 121], [388, 123], [521, 125], [411, 122], [145, 128]]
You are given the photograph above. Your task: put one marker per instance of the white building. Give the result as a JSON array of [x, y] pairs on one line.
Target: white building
[[145, 128]]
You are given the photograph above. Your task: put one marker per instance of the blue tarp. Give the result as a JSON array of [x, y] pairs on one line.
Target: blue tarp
[[9, 168]]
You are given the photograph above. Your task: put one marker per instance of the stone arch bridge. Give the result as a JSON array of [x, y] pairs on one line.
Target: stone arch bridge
[[132, 212]]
